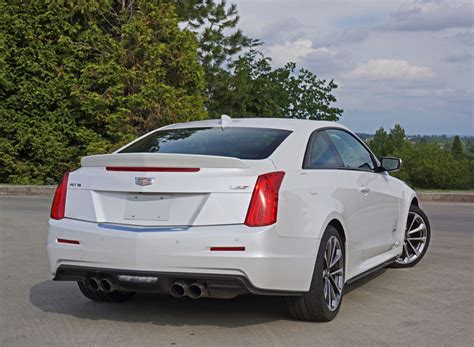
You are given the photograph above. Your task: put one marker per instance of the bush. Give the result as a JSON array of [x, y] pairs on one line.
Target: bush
[[425, 165]]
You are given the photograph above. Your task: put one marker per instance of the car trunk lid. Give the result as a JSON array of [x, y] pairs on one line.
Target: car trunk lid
[[154, 189]]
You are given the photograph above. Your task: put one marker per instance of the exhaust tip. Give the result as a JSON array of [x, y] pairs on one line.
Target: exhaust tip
[[177, 290], [196, 290], [92, 283], [106, 285]]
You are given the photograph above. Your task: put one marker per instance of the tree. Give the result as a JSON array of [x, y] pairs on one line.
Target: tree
[[425, 164], [431, 167], [252, 88], [215, 26], [85, 77], [80, 78], [241, 80], [457, 149], [397, 137], [380, 143]]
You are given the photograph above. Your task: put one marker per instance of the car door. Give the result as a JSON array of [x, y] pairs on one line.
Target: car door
[[380, 203], [336, 190]]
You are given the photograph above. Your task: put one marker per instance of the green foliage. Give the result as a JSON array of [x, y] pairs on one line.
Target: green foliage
[[457, 150], [241, 81], [79, 78], [397, 137], [380, 143], [85, 77], [214, 25], [425, 164], [251, 88]]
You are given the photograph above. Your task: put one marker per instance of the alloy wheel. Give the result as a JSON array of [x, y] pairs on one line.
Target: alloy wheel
[[333, 273], [416, 235]]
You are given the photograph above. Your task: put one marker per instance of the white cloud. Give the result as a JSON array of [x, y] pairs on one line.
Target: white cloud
[[338, 38], [431, 16], [295, 51], [285, 29], [324, 61], [389, 69]]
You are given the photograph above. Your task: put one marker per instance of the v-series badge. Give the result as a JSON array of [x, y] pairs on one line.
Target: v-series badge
[[75, 185]]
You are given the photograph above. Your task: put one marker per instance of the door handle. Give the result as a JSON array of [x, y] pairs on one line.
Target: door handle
[[364, 190]]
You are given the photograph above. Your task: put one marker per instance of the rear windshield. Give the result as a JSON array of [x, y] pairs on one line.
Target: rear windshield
[[242, 143]]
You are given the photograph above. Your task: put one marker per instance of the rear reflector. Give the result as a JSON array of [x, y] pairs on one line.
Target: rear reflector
[[227, 249], [59, 201], [263, 207], [71, 242], [152, 169]]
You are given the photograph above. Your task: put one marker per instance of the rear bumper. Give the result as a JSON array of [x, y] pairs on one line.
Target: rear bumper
[[220, 286], [270, 264]]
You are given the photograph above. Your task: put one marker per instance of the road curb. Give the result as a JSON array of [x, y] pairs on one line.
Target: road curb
[[31, 190], [26, 190], [446, 197]]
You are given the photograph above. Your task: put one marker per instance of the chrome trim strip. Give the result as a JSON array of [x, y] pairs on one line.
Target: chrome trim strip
[[142, 229]]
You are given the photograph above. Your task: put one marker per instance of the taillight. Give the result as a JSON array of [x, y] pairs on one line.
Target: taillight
[[59, 201], [263, 207]]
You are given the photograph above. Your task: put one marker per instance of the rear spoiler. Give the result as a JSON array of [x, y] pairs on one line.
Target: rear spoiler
[[162, 160]]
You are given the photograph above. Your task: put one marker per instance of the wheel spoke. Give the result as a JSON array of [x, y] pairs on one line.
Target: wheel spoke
[[405, 249], [333, 294], [411, 224], [326, 258], [336, 272], [329, 299], [416, 230], [417, 252], [423, 238], [333, 250], [337, 256], [334, 285]]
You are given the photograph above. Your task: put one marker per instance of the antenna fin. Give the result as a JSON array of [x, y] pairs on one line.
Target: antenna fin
[[225, 119]]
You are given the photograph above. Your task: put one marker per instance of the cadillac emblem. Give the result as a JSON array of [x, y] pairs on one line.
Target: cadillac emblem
[[144, 181]]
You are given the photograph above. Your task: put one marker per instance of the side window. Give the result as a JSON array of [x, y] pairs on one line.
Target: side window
[[321, 153], [354, 155]]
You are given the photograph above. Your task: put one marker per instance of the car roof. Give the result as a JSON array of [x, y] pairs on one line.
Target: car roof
[[273, 123]]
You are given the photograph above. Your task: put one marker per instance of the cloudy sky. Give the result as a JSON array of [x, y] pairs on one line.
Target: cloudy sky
[[396, 61]]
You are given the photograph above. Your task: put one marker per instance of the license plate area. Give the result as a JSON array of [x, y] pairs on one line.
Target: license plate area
[[147, 207]]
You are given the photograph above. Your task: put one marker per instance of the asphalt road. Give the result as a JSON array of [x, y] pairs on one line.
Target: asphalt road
[[431, 304]]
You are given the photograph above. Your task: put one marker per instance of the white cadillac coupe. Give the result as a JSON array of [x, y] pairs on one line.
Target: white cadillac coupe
[[219, 208]]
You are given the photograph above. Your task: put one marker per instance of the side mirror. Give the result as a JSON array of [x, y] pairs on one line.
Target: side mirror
[[390, 164]]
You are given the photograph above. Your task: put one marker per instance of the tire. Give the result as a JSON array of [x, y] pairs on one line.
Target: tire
[[414, 251], [313, 305], [100, 296]]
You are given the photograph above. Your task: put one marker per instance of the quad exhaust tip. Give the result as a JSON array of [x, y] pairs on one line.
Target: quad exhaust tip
[[196, 290], [93, 284], [106, 285], [178, 289], [181, 289]]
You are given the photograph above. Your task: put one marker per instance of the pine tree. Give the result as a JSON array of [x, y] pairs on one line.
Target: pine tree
[[380, 143], [397, 137], [457, 149]]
